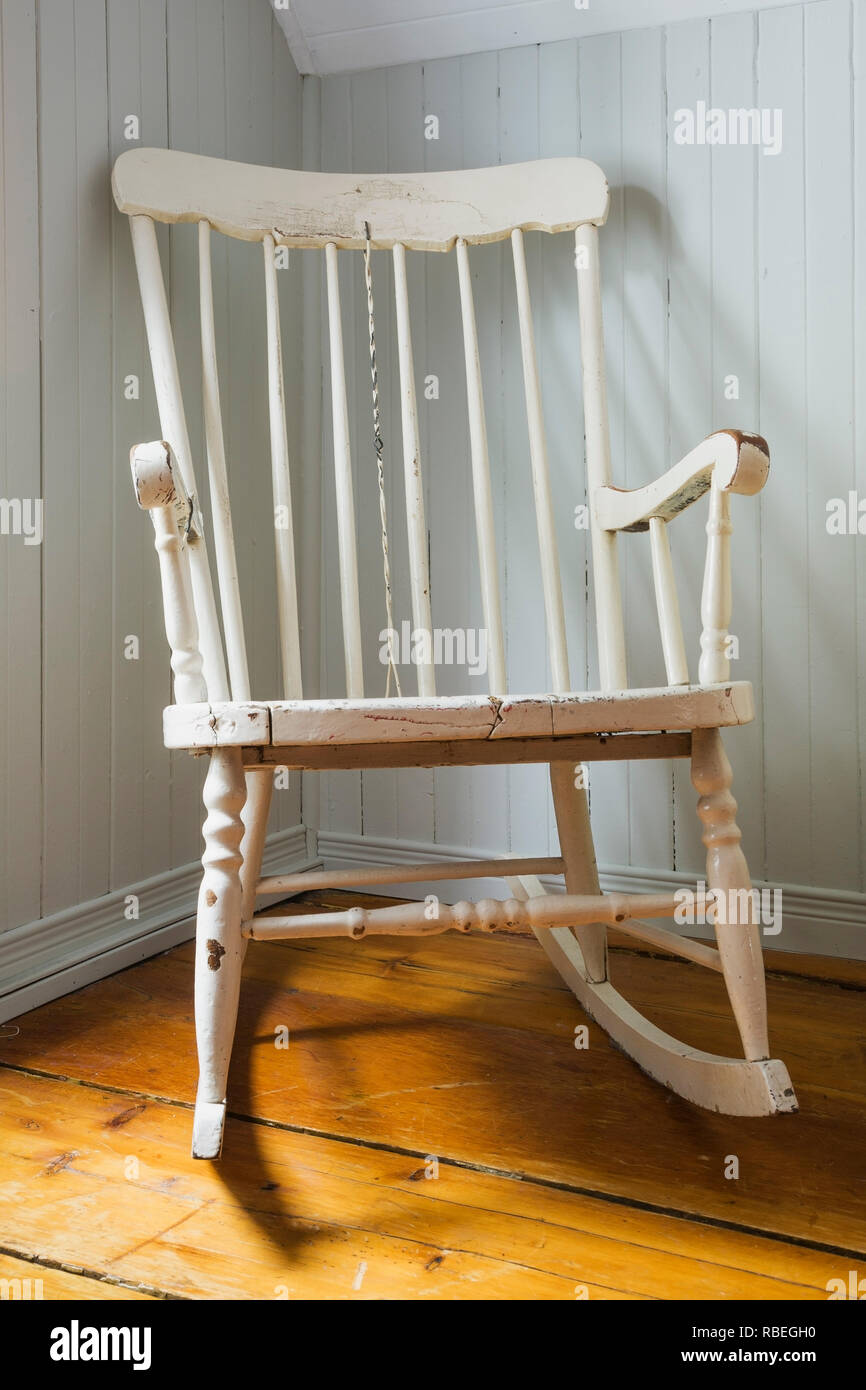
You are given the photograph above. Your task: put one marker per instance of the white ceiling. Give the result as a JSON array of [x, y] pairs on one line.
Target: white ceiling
[[346, 35]]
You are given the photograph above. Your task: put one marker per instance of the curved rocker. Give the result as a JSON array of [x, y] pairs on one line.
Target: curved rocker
[[730, 1085]]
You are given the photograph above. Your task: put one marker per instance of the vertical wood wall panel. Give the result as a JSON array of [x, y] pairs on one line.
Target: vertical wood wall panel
[[414, 790], [340, 791], [286, 127], [829, 406], [370, 142], [859, 72], [786, 591], [479, 80], [20, 469], [113, 807], [450, 515], [690, 392], [645, 424], [93, 352], [601, 138], [527, 664], [141, 782], [311, 452], [735, 352], [69, 107]]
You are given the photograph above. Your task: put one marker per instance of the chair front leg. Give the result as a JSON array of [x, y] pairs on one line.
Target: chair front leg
[[219, 946], [737, 931]]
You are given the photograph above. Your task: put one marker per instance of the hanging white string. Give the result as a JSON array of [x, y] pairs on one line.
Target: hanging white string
[[379, 445]]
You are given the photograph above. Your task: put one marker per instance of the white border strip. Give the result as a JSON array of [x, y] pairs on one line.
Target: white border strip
[[61, 953]]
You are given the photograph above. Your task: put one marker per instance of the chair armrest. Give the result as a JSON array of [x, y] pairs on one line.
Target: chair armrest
[[740, 463]]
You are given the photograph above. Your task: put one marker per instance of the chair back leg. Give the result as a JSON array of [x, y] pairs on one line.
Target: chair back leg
[[578, 852], [260, 788]]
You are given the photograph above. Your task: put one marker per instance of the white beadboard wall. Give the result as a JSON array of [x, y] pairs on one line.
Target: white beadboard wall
[[717, 261], [93, 808]]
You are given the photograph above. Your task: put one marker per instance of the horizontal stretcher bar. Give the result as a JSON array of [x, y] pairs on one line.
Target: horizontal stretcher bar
[[491, 915], [582, 748], [406, 873]]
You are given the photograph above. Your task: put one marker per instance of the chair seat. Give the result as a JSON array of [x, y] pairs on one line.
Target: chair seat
[[293, 723]]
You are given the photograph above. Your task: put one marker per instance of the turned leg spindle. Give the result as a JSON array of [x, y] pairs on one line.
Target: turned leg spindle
[[737, 931], [219, 946]]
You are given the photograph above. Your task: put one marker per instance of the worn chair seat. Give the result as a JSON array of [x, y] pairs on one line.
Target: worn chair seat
[[291, 723]]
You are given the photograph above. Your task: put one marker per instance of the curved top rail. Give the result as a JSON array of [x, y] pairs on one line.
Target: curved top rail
[[427, 212]]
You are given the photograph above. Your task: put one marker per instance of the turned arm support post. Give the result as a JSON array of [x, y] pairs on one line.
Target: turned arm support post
[[741, 467], [716, 603], [160, 491], [727, 461]]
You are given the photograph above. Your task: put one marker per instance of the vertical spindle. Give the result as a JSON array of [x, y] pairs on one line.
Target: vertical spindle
[[284, 536], [351, 608], [481, 487], [544, 516]]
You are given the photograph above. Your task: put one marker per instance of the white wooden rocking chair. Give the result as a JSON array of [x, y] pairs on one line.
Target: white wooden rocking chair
[[246, 739]]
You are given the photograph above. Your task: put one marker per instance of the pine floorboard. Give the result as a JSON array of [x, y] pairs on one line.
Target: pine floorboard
[[431, 1131]]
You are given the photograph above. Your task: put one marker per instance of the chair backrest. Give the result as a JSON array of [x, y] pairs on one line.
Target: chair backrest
[[440, 212]]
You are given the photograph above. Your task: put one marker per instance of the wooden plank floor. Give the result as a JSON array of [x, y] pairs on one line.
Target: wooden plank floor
[[430, 1132]]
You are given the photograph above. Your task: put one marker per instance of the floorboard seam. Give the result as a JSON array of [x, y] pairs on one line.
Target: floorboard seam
[[615, 1199], [63, 1267]]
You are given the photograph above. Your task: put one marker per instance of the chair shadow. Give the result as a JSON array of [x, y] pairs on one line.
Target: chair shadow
[[247, 1168]]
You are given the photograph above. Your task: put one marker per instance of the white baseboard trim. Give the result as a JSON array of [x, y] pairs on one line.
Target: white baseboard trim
[[61, 953], [815, 921]]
